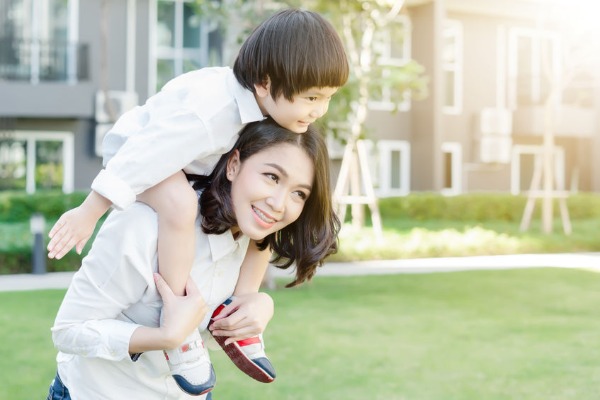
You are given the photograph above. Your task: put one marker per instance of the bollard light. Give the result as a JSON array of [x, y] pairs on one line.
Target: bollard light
[[37, 224]]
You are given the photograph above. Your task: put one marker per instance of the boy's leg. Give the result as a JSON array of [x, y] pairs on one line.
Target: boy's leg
[[249, 354], [252, 271], [176, 204]]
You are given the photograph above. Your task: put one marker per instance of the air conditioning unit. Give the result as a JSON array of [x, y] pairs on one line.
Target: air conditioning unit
[[496, 121], [495, 149], [112, 104], [101, 130]]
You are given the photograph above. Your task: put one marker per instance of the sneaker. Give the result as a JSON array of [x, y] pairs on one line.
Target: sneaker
[[191, 367], [247, 354]]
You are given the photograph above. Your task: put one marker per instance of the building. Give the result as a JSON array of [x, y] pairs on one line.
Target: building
[[68, 68]]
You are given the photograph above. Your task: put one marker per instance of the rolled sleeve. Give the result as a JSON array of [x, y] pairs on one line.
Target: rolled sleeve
[[114, 188], [107, 339]]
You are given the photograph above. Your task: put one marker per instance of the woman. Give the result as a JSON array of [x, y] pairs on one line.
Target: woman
[[272, 187]]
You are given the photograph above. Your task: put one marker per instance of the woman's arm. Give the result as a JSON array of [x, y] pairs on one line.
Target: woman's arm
[[113, 294], [180, 315]]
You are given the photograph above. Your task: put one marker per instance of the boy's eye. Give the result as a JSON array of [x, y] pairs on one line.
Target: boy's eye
[[312, 98]]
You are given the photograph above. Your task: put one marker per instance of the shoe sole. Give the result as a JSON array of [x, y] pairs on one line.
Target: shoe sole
[[245, 364], [196, 390]]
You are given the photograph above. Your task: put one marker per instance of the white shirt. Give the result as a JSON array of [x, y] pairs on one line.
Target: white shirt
[[188, 125], [114, 292]]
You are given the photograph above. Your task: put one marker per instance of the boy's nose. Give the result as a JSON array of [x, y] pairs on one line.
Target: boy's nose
[[319, 111]]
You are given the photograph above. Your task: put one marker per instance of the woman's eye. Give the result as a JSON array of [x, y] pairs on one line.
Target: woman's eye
[[273, 177], [301, 195]]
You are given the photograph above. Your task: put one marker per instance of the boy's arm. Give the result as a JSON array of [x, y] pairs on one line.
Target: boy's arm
[[75, 227], [250, 312]]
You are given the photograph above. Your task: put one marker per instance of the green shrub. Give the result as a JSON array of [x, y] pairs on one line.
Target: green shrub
[[479, 207], [16, 208], [19, 206], [19, 261]]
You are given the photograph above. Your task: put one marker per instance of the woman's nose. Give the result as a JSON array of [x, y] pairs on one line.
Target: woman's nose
[[277, 201]]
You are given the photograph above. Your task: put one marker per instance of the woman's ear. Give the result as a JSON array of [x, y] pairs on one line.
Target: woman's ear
[[263, 89], [233, 165]]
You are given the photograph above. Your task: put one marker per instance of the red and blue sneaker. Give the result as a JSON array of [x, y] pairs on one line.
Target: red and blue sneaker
[[191, 367], [247, 354]]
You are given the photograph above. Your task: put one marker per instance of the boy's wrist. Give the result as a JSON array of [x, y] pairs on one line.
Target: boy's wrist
[[96, 205]]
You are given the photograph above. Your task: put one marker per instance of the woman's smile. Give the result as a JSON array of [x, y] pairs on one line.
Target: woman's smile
[[263, 218]]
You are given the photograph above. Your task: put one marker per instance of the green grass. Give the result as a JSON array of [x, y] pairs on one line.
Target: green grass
[[515, 334]]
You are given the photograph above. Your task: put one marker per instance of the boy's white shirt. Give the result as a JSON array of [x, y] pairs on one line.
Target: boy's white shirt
[[114, 292], [188, 125]]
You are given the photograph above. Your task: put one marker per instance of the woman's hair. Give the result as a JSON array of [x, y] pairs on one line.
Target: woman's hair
[[306, 241], [296, 50]]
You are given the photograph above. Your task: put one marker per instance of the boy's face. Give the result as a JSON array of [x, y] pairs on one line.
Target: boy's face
[[296, 115]]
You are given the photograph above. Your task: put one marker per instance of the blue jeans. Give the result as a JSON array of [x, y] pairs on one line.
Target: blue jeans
[[58, 391]]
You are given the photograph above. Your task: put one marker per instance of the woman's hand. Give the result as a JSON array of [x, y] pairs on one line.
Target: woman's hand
[[180, 314], [246, 316]]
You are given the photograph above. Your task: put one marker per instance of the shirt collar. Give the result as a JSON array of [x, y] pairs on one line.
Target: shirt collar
[[247, 105], [224, 244]]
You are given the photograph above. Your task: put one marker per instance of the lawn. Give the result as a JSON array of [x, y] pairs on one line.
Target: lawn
[[515, 334]]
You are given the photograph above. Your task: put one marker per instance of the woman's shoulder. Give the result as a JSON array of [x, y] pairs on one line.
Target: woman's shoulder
[[138, 217]]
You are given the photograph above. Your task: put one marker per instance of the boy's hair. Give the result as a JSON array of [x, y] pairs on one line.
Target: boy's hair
[[296, 50], [305, 242]]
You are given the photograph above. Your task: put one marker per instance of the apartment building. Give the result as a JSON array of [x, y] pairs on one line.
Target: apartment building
[[68, 68]]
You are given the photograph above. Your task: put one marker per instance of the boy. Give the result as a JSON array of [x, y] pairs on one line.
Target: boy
[[288, 69]]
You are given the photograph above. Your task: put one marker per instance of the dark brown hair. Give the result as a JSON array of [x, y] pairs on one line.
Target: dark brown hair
[[296, 50], [313, 236]]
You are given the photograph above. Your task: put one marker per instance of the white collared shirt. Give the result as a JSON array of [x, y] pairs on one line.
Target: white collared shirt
[[114, 293], [188, 125]]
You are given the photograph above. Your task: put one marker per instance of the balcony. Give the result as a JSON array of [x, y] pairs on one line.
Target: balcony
[[36, 61], [570, 121]]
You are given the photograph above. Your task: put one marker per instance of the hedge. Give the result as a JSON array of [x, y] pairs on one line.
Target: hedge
[[19, 206], [16, 208], [479, 207]]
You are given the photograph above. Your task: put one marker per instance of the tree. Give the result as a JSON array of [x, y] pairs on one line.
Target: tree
[[580, 59], [361, 23]]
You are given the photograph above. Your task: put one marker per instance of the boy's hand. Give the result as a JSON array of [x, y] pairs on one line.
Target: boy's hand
[[245, 317], [73, 228]]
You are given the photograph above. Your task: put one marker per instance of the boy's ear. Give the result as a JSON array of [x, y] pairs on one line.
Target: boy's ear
[[263, 89]]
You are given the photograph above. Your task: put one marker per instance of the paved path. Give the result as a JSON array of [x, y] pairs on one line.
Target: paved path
[[590, 261]]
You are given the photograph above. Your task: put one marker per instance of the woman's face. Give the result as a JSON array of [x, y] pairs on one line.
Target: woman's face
[[269, 189]]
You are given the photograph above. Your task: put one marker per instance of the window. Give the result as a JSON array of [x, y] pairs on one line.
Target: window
[[534, 66], [452, 156], [452, 59], [183, 41], [38, 40], [526, 159], [36, 161], [393, 163], [392, 49]]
